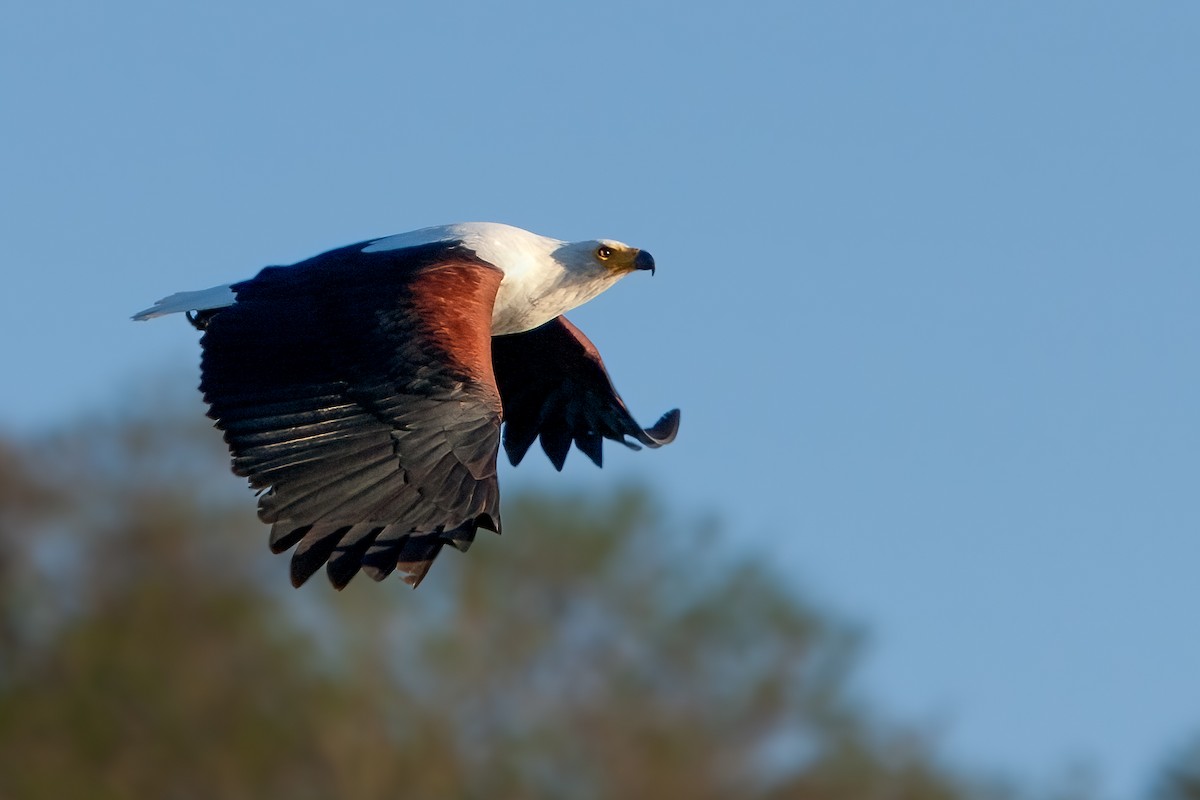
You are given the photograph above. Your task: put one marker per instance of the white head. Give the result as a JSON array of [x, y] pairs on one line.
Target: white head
[[546, 277], [604, 259], [543, 277]]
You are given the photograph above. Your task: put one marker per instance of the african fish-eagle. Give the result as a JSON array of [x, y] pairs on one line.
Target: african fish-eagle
[[362, 391]]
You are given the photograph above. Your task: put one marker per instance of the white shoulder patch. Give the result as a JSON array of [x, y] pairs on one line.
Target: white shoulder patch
[[439, 233], [504, 246], [216, 297]]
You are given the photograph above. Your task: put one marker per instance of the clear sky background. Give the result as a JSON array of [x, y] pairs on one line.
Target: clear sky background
[[927, 293]]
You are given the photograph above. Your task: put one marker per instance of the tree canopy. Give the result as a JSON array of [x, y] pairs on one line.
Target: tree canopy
[[601, 648]]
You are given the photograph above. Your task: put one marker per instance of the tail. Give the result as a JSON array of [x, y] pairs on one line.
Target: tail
[[216, 297]]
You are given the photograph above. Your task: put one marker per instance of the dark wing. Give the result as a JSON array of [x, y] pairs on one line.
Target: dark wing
[[357, 390], [553, 384]]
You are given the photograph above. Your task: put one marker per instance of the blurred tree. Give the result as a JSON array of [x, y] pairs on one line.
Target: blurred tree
[[600, 650], [1180, 776]]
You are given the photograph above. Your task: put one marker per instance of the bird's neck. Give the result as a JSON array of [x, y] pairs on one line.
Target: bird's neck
[[528, 298]]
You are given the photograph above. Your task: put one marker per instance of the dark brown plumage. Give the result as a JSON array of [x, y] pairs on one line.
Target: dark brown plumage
[[369, 411], [553, 383]]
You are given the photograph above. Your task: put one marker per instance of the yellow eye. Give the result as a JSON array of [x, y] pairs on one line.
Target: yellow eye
[[603, 252]]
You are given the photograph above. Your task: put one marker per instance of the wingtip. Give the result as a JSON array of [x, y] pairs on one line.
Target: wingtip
[[144, 315], [556, 444], [413, 572], [592, 446], [662, 432], [519, 436], [489, 522], [515, 450]]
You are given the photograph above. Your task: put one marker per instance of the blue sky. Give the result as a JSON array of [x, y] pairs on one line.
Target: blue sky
[[927, 291]]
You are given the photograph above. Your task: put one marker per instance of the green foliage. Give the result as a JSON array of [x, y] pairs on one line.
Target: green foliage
[[598, 649]]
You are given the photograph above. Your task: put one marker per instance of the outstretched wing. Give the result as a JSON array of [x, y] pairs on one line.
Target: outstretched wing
[[553, 383], [356, 390]]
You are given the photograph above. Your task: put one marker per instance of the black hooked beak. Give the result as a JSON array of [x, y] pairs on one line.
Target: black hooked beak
[[644, 260]]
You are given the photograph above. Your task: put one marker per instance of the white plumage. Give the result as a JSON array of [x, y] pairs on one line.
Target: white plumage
[[216, 297], [543, 277]]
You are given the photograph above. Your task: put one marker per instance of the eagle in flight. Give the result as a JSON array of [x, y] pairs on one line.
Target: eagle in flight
[[362, 391]]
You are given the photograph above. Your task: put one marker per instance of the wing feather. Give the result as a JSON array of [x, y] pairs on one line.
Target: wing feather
[[346, 559], [357, 390], [554, 385]]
